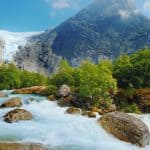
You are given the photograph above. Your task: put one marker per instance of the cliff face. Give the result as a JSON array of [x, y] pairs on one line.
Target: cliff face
[[105, 29], [37, 57]]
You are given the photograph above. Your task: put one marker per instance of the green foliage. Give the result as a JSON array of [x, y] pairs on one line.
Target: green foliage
[[11, 77], [133, 70], [64, 75], [50, 90], [92, 81], [133, 108], [29, 79]]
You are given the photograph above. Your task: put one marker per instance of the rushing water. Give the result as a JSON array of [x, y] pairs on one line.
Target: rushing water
[[51, 126]]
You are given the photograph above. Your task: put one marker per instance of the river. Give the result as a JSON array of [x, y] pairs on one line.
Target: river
[[51, 126]]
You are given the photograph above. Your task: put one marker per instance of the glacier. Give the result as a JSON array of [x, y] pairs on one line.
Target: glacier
[[12, 40]]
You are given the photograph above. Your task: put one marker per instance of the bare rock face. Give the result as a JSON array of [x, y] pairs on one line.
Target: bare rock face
[[22, 146], [16, 115], [64, 90], [73, 110], [13, 102], [126, 128]]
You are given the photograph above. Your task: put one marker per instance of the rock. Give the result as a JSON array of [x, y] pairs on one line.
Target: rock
[[80, 102], [51, 98], [126, 128], [112, 108], [13, 102], [142, 98], [22, 146], [73, 110], [89, 114], [16, 115], [65, 101], [30, 90], [64, 90], [95, 109]]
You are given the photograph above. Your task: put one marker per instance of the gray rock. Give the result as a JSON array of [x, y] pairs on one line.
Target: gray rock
[[126, 128], [16, 115]]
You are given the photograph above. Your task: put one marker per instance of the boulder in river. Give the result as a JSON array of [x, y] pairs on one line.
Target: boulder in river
[[16, 115], [30, 90], [73, 110], [126, 128], [90, 114], [13, 102], [22, 146]]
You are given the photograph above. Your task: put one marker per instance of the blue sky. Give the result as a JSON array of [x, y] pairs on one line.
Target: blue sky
[[38, 15]]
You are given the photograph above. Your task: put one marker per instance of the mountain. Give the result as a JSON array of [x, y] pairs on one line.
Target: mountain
[[105, 29], [10, 42]]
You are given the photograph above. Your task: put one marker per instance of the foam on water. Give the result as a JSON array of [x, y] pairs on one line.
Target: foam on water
[[51, 126]]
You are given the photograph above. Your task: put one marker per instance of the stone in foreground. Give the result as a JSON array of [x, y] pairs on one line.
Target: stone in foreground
[[126, 128], [22, 146], [13, 102], [73, 110], [16, 115]]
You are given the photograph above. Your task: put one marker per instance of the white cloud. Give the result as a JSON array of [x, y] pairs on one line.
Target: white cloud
[[62, 4], [123, 14], [147, 5], [59, 4]]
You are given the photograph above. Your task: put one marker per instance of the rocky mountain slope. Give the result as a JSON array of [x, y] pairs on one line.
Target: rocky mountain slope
[[105, 29]]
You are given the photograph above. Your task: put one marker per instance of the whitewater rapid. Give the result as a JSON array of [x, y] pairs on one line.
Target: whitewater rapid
[[51, 126]]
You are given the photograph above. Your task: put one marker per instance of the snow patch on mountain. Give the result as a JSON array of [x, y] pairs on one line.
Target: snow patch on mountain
[[12, 41]]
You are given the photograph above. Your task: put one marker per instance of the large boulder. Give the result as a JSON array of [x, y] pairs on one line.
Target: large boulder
[[64, 90], [73, 110], [16, 115], [13, 102], [126, 128], [22, 146], [30, 90]]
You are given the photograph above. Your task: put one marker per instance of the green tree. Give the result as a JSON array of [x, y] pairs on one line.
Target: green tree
[[133, 70], [64, 75]]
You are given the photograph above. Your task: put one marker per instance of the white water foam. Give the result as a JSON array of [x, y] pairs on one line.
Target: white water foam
[[51, 126]]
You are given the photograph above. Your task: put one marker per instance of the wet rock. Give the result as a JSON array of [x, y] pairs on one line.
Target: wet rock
[[51, 98], [73, 110], [13, 102], [64, 91], [95, 109], [30, 90], [112, 108], [65, 101], [22, 146], [126, 128], [16, 115], [89, 114]]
